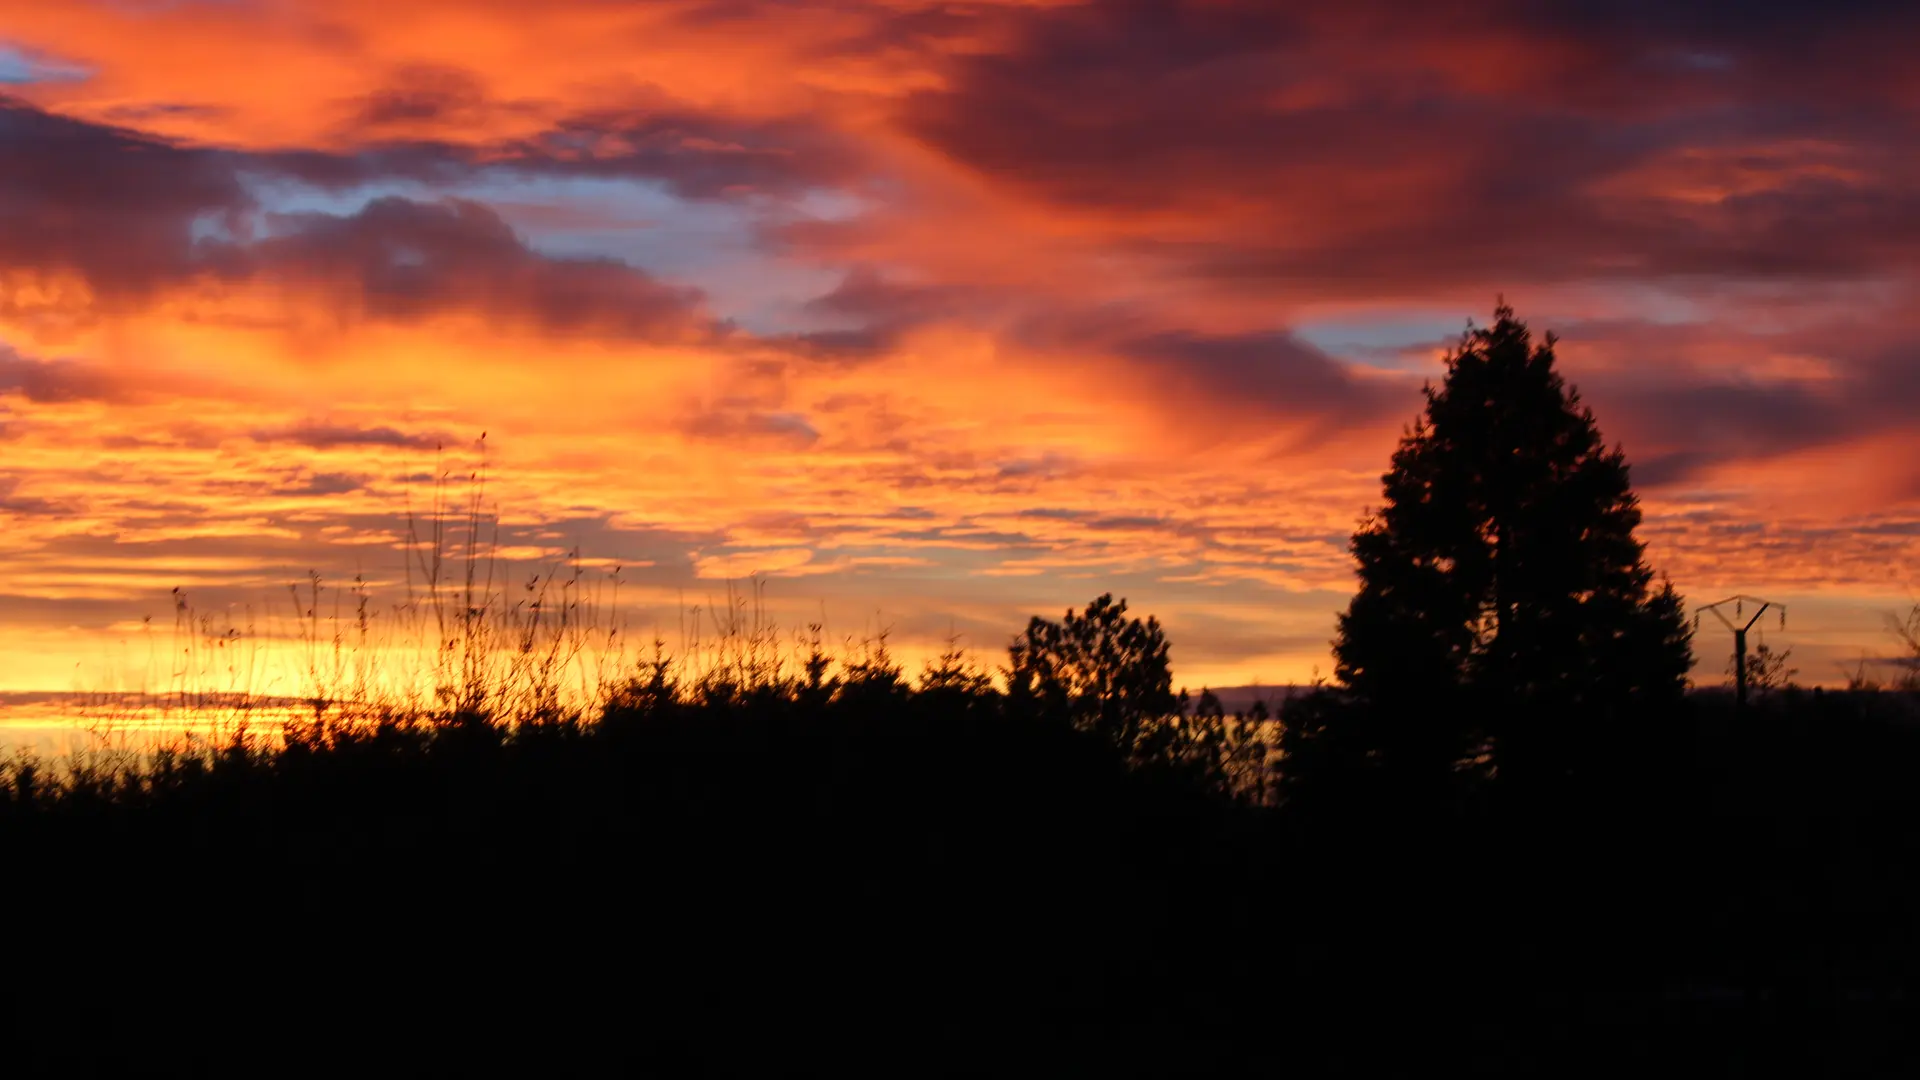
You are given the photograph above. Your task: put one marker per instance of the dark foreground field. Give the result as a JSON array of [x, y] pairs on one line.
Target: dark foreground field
[[925, 884]]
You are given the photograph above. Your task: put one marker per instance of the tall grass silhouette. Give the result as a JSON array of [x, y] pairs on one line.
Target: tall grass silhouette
[[466, 643]]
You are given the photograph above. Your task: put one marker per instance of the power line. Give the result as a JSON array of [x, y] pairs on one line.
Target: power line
[[1739, 603]]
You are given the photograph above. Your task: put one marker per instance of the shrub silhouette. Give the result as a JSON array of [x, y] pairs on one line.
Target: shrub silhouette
[[1504, 601], [1104, 674], [1906, 630], [1767, 670], [1097, 670]]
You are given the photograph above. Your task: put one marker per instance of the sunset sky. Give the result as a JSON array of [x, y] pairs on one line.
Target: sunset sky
[[937, 314]]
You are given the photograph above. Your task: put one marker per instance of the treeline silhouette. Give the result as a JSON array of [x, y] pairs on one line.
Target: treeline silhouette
[[857, 873], [1503, 841], [730, 875]]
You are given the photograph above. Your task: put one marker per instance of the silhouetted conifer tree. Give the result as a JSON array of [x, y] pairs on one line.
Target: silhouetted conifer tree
[[1504, 601], [954, 674]]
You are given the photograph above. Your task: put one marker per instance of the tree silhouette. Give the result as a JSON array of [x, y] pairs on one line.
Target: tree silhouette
[[1099, 670], [1503, 595]]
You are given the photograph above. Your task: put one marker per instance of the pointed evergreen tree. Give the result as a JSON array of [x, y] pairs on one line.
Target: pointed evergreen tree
[[1504, 600]]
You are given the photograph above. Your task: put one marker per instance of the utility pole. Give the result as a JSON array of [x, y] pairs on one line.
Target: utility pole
[[1740, 634]]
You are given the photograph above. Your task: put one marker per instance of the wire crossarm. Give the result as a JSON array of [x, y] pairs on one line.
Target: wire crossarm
[[1739, 602]]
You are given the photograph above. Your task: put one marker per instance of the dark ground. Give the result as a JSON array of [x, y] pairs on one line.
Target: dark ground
[[922, 889]]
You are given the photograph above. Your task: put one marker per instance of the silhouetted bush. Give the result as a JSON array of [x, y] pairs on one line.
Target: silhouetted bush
[[1104, 674]]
